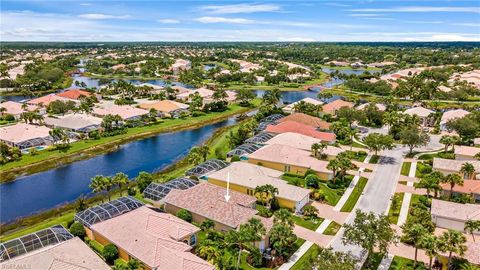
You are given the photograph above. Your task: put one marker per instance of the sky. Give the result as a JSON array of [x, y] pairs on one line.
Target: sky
[[179, 20]]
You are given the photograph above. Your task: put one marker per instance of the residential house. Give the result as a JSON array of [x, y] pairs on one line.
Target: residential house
[[451, 115], [159, 240], [52, 248], [207, 201], [290, 108], [46, 100], [292, 126], [334, 106], [469, 187], [76, 122], [476, 142], [306, 120], [181, 65], [379, 106], [75, 94], [16, 108], [126, 112], [245, 177], [166, 108], [451, 215], [466, 152], [289, 159], [24, 136], [423, 113], [303, 142], [448, 166]]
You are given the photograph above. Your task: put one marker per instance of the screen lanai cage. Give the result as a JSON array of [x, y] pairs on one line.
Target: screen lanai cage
[[107, 210], [260, 138], [157, 191], [268, 120], [246, 148], [33, 241], [207, 167]]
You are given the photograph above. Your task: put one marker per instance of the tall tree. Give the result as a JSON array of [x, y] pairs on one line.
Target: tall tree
[[431, 182], [431, 244], [121, 180], [370, 231], [453, 242], [472, 226], [453, 179], [377, 142], [413, 137], [467, 170], [413, 234]]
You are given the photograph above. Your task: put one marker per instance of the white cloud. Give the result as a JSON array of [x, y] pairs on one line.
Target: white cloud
[[420, 9], [424, 22], [224, 20], [85, 4], [467, 24], [332, 4], [100, 16], [364, 15], [171, 21], [240, 8]]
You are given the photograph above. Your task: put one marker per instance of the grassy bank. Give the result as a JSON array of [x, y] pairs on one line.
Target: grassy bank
[[84, 149], [305, 262], [65, 214], [393, 214], [357, 191], [406, 168]]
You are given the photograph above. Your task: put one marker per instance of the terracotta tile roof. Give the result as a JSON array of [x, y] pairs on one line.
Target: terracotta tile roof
[[251, 175], [303, 142], [291, 156], [454, 210], [333, 106], [165, 106], [15, 108], [23, 132], [466, 150], [307, 120], [419, 111], [208, 200], [74, 94], [469, 187], [46, 100], [70, 254], [292, 126], [453, 114], [453, 165], [153, 238]]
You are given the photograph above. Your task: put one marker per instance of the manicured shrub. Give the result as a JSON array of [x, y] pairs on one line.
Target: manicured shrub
[[312, 181], [235, 158], [78, 230], [110, 253], [185, 215]]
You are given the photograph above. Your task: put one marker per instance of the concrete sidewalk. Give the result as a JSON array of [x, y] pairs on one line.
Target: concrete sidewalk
[[407, 197]]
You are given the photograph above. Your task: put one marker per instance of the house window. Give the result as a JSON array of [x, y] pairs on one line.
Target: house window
[[193, 240], [287, 168]]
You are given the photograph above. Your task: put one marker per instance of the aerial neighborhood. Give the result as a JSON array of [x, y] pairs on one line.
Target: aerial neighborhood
[[258, 156]]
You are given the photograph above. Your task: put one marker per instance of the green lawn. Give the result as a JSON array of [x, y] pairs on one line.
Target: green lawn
[[373, 261], [307, 223], [305, 261], [357, 191], [331, 195], [63, 220], [52, 155], [400, 263], [421, 167], [446, 155], [406, 168], [332, 228], [294, 180], [414, 201], [393, 214], [374, 159]]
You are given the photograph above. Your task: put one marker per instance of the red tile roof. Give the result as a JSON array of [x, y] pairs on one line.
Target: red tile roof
[[333, 106], [469, 187], [307, 120], [208, 200], [74, 94], [291, 126]]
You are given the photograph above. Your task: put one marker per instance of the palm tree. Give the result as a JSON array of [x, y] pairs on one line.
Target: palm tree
[[315, 147], [468, 170], [271, 194], [120, 179], [283, 216], [57, 134], [351, 133], [97, 184], [194, 156], [204, 150], [472, 226], [447, 141], [209, 251], [453, 179], [477, 156], [453, 242], [431, 182], [414, 234], [431, 245], [333, 165], [456, 140]]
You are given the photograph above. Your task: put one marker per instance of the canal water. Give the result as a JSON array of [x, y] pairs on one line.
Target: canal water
[[45, 190]]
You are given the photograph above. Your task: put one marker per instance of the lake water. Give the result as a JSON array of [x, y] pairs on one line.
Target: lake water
[[54, 187]]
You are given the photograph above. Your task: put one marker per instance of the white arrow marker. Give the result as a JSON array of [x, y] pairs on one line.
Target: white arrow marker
[[227, 197]]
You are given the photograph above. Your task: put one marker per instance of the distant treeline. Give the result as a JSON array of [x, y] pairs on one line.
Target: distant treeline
[[75, 45]]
